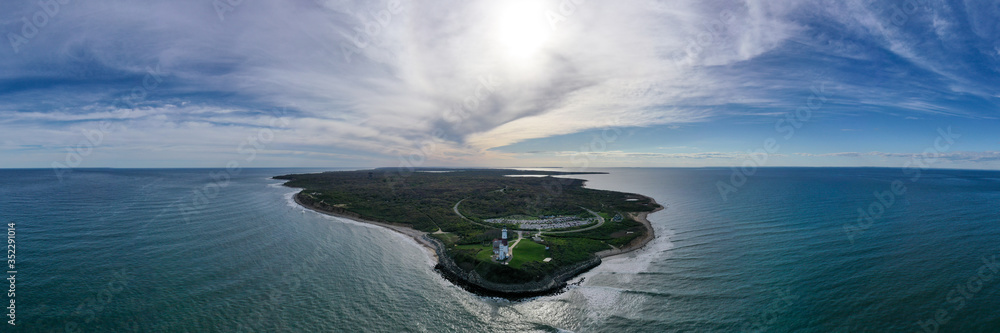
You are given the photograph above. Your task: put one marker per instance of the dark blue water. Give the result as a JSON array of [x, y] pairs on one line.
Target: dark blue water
[[188, 250]]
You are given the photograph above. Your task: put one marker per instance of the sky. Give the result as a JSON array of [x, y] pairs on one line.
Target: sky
[[515, 83]]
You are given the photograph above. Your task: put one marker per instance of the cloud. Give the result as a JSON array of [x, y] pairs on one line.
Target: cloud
[[397, 80], [612, 155], [960, 156], [677, 147], [371, 81]]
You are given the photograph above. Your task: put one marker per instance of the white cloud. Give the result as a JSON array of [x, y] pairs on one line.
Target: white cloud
[[964, 156], [607, 65]]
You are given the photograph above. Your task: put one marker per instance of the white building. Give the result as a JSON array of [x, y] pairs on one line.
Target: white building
[[500, 250]]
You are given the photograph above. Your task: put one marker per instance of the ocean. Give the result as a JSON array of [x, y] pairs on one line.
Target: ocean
[[786, 250]]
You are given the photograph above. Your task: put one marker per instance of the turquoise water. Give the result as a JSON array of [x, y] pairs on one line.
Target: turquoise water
[[179, 250]]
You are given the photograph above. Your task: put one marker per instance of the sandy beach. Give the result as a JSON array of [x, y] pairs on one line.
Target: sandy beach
[[417, 235], [639, 242]]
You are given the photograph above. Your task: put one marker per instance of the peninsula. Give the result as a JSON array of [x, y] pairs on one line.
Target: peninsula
[[495, 232]]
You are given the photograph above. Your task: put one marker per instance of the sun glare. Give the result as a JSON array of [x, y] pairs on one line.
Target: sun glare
[[522, 29]]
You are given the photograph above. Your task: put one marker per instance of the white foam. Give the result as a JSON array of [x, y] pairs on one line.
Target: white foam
[[600, 300], [599, 287], [638, 261], [290, 200], [428, 253]]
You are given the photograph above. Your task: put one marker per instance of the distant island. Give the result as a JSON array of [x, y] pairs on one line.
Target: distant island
[[496, 232]]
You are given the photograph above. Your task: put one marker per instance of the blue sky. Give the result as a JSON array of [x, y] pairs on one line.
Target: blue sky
[[499, 83]]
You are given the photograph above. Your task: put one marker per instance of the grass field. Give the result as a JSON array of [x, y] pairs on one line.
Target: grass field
[[448, 239], [527, 251], [485, 251]]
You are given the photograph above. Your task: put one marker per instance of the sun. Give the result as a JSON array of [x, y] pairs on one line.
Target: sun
[[522, 30]]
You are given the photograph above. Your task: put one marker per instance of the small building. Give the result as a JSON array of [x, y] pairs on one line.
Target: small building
[[500, 249]]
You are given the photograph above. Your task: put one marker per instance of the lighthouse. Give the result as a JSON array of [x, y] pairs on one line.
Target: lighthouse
[[500, 250]]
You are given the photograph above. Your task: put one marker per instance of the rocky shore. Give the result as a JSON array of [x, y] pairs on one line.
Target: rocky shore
[[475, 284]]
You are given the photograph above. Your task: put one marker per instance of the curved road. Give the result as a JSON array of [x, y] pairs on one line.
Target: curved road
[[600, 222], [466, 218]]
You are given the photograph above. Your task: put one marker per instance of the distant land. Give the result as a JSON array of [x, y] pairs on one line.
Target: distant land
[[555, 227]]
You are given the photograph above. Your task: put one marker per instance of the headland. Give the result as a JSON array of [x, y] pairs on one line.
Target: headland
[[491, 231]]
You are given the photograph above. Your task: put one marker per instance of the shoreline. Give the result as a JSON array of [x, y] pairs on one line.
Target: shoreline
[[472, 282], [638, 243], [417, 235]]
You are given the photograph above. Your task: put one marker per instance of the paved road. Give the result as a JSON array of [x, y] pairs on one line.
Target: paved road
[[511, 247], [466, 218]]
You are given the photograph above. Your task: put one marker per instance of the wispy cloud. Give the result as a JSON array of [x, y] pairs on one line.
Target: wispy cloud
[[959, 156], [370, 81], [611, 155]]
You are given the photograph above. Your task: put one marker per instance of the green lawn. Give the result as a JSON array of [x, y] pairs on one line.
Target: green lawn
[[447, 238], [569, 250], [485, 251], [527, 251]]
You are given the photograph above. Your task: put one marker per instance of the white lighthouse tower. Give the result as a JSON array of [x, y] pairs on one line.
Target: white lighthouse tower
[[500, 249], [504, 251]]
